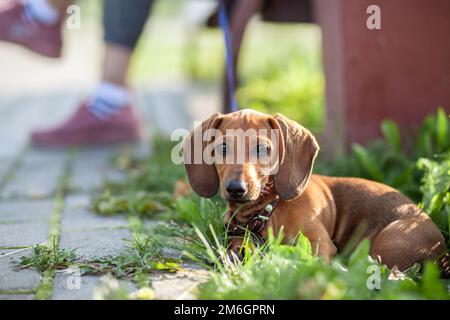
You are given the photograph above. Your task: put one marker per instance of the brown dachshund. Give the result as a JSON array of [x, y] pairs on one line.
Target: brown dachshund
[[334, 213]]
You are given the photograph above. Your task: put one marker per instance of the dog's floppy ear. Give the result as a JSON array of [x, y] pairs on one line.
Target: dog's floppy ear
[[202, 176], [298, 149]]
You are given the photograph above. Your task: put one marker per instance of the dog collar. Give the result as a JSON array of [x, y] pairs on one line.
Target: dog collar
[[256, 224]]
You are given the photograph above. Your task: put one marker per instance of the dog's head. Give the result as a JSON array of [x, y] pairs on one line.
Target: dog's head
[[245, 152]]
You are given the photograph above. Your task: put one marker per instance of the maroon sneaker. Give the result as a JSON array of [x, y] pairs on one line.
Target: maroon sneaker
[[83, 128], [16, 28]]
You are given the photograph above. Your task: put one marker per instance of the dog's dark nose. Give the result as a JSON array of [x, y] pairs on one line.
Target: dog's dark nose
[[236, 188]]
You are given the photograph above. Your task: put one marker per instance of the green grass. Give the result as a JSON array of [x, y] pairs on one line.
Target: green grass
[[392, 161], [278, 271], [48, 258], [435, 188], [142, 256]]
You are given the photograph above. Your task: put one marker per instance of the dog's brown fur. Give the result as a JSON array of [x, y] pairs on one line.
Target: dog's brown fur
[[334, 213]]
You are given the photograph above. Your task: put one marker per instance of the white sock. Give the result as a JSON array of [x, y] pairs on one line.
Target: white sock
[[41, 11], [108, 99]]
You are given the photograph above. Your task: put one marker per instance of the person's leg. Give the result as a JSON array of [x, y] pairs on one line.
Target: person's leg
[[115, 65], [34, 24], [107, 116], [112, 93]]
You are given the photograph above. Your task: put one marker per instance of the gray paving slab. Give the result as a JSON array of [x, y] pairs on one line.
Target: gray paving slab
[[22, 211], [16, 296], [26, 112], [84, 180], [26, 233], [45, 157], [37, 167], [77, 216], [179, 286], [92, 167], [10, 146], [37, 175], [165, 110], [5, 165], [24, 222], [5, 252], [32, 184], [3, 171], [93, 244], [97, 153], [68, 286], [13, 278]]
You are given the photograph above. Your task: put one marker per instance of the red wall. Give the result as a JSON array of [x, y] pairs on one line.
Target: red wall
[[400, 72]]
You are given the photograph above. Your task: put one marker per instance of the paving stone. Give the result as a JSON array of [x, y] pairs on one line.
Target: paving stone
[[26, 233], [84, 179], [95, 243], [5, 165], [180, 286], [13, 278], [92, 167], [49, 168], [165, 109], [45, 157], [99, 153], [3, 170], [22, 113], [38, 174], [10, 146], [16, 296], [4, 252], [22, 211], [35, 184], [78, 217], [24, 222], [66, 287]]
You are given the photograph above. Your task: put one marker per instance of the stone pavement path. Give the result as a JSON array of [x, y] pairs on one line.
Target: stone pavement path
[[32, 208]]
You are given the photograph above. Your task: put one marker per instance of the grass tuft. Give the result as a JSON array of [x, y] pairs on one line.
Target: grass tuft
[[44, 258]]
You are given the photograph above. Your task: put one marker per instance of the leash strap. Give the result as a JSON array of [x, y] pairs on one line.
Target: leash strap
[[223, 20]]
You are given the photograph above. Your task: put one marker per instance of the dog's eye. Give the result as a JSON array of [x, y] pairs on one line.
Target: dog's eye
[[262, 150], [222, 149]]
